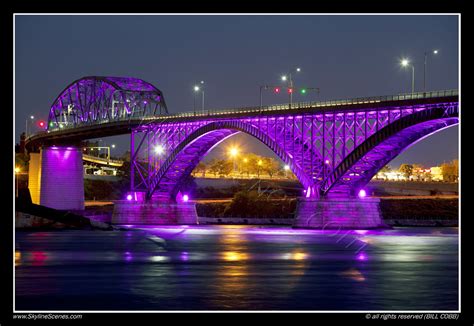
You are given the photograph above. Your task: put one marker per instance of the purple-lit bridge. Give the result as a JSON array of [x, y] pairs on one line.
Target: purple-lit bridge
[[334, 147]]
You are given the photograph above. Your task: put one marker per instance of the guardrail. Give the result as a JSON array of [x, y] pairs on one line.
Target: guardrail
[[317, 104], [101, 160]]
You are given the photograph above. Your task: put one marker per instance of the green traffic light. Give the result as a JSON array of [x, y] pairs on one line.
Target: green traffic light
[[303, 91]]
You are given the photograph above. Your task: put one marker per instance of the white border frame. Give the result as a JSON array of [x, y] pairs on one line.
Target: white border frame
[[248, 311]]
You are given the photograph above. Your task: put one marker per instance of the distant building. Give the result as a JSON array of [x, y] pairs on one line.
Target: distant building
[[391, 176], [436, 173]]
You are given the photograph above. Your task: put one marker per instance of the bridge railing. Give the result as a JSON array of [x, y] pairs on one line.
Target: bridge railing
[[318, 104]]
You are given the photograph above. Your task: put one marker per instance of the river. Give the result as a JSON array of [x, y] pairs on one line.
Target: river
[[237, 268]]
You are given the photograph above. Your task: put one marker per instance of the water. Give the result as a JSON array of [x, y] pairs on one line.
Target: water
[[237, 268]]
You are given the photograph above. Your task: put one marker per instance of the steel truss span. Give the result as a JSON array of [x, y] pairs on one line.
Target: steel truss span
[[333, 150], [93, 100]]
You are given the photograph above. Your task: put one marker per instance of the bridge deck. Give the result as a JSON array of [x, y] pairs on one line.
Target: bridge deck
[[106, 128]]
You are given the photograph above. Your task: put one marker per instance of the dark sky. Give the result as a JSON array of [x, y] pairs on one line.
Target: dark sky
[[345, 56]]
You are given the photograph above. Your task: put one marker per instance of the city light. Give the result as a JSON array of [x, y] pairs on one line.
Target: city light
[[159, 149], [284, 78], [298, 69], [435, 52], [129, 197], [362, 193], [185, 198], [17, 169], [113, 145], [41, 124], [246, 160], [405, 62], [32, 117], [327, 161], [290, 90], [196, 88], [303, 91], [259, 162], [286, 167], [234, 151], [277, 90]]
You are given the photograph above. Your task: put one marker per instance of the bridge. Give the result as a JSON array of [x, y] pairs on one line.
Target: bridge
[[334, 147]]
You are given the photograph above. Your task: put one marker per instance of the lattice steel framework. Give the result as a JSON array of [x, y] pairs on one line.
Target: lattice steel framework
[[329, 150], [92, 100]]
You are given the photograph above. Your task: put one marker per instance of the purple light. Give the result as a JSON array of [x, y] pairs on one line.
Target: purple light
[[362, 193], [129, 197], [185, 198], [327, 161], [361, 257], [184, 256]]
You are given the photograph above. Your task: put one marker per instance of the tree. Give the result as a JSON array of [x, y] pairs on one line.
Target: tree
[[220, 167], [450, 171], [200, 168], [214, 166], [406, 169], [270, 165]]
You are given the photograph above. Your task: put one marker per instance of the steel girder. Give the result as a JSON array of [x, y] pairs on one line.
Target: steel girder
[[93, 100], [329, 150]]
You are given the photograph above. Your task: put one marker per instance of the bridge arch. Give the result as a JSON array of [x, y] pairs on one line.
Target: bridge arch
[[359, 167], [184, 157], [104, 99]]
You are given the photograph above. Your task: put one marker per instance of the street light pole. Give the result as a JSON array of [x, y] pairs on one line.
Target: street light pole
[[406, 63], [26, 127], [291, 90], [202, 101], [424, 73], [290, 84], [197, 89], [424, 69]]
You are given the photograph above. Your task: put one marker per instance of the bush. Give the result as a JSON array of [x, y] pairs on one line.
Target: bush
[[249, 204]]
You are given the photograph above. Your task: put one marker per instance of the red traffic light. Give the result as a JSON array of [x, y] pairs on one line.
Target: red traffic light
[[290, 90], [41, 124], [277, 90]]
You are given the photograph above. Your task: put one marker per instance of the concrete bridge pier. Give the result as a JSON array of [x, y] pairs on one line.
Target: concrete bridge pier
[[154, 212], [347, 212], [56, 177]]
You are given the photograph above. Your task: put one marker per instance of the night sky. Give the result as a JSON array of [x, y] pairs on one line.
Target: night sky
[[345, 56]]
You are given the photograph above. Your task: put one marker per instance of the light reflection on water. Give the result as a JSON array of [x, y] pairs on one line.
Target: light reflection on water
[[238, 268]]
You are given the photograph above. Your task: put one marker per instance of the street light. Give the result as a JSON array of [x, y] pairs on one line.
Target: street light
[[17, 170], [286, 168], [424, 68], [406, 63], [159, 149], [197, 89], [26, 128], [233, 152], [290, 83]]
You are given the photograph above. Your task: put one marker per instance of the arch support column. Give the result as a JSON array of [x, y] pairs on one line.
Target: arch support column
[[62, 178], [338, 212]]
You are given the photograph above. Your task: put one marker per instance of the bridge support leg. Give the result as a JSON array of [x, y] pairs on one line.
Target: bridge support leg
[[338, 213], [62, 178], [34, 177], [154, 213]]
